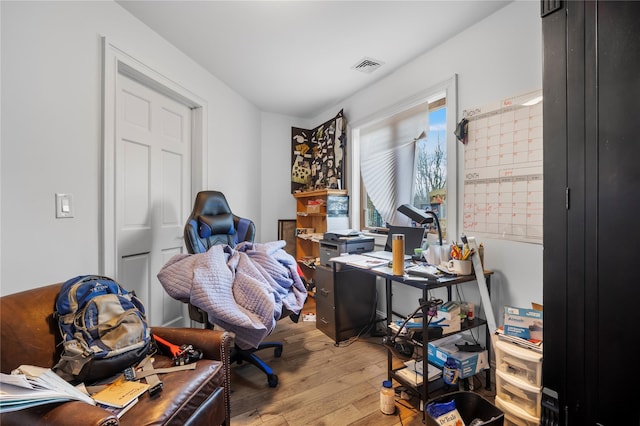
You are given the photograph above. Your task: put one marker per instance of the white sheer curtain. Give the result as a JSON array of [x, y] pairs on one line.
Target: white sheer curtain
[[387, 157]]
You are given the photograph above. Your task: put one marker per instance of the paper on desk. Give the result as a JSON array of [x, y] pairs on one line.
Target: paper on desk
[[360, 261], [385, 270]]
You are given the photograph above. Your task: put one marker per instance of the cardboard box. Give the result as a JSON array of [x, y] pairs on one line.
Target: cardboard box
[[523, 323], [313, 208], [469, 363], [448, 317]]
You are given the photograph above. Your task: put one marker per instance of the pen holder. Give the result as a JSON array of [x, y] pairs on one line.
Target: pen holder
[[460, 267], [397, 250]]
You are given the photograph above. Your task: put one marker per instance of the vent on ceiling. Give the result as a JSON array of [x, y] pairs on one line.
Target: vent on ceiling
[[367, 65]]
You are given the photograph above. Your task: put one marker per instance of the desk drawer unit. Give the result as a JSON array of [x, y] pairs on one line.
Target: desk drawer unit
[[345, 301], [325, 302]]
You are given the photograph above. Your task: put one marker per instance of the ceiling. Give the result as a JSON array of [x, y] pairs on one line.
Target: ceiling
[[296, 57]]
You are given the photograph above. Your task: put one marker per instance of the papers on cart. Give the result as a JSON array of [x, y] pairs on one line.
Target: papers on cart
[[28, 386], [413, 372]]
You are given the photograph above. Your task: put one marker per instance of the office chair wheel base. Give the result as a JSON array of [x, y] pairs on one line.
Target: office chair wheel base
[[273, 380], [277, 352]]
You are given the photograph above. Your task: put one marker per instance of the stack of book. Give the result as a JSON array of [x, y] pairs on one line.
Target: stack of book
[[29, 386]]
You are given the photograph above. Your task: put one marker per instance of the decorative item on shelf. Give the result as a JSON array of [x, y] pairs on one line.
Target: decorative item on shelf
[[337, 205]]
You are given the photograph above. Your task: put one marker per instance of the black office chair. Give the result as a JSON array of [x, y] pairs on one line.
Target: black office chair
[[211, 222]]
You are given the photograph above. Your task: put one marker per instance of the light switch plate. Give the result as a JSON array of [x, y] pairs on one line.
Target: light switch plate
[[64, 205]]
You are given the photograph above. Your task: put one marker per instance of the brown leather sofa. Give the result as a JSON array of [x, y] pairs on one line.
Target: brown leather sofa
[[30, 336]]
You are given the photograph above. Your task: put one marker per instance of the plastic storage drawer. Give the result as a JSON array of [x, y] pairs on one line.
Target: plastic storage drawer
[[516, 416], [519, 362], [511, 389]]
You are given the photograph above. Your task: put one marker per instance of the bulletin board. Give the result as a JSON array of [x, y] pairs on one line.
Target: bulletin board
[[503, 170], [318, 156]]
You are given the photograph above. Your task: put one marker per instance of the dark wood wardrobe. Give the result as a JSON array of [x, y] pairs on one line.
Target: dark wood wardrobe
[[591, 88]]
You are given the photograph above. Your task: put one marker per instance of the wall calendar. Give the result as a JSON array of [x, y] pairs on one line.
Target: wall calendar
[[503, 171]]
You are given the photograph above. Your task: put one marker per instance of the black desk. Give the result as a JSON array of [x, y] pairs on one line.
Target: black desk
[[425, 285]]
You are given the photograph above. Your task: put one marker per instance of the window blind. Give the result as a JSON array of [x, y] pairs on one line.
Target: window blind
[[387, 159]]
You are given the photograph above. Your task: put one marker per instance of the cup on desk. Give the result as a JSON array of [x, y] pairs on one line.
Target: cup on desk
[[397, 249], [460, 267], [445, 253], [432, 255], [437, 255]]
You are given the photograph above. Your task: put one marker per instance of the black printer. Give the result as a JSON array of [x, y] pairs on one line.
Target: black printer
[[336, 243]]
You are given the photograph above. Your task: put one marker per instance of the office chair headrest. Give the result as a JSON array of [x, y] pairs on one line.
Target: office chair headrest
[[215, 225]]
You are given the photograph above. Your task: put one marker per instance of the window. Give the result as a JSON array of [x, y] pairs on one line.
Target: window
[[430, 169], [408, 155]]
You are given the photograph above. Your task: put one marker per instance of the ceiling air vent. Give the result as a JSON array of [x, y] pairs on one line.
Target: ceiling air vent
[[367, 65]]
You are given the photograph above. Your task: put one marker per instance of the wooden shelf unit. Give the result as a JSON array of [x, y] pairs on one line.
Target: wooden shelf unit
[[308, 249]]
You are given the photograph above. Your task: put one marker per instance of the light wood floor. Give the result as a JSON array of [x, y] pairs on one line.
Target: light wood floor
[[319, 383]]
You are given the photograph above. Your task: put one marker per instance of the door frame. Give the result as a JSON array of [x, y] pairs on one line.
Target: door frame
[[117, 61]]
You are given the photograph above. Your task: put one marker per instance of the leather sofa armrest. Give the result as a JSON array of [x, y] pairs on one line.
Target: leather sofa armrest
[[214, 344], [64, 414]]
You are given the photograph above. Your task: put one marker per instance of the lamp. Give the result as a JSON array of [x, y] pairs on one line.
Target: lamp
[[421, 217]]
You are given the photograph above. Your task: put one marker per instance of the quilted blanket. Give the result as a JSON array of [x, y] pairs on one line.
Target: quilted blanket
[[242, 289]]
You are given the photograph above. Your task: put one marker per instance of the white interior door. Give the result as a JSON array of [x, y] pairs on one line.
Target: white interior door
[[152, 192]]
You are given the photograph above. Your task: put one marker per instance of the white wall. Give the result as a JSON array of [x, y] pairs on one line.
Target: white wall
[[51, 132], [276, 199], [494, 59]]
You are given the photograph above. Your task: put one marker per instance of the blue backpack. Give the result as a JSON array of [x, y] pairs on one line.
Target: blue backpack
[[103, 326]]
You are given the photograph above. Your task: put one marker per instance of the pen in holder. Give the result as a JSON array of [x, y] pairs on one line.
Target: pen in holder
[[397, 250]]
